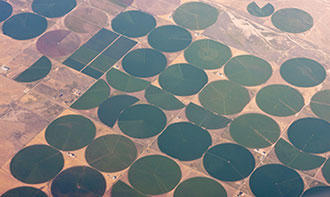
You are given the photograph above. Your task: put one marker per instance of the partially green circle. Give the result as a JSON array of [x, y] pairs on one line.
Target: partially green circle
[[200, 186], [248, 70], [254, 130], [319, 191], [111, 153], [224, 97], [228, 162], [36, 164], [53, 8], [303, 72], [24, 26], [280, 100], [133, 23], [183, 79], [184, 141], [195, 15], [78, 181], [320, 104], [5, 10], [142, 121], [310, 135], [292, 20], [70, 132], [154, 175], [275, 180], [24, 191], [207, 54], [144, 62], [169, 38]]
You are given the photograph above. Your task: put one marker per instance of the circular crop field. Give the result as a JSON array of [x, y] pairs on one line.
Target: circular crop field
[[53, 8], [36, 164], [292, 20], [280, 100], [184, 141], [157, 7], [142, 121], [24, 26], [224, 97], [228, 162], [154, 175], [319, 191], [182, 79], [79, 181], [320, 104], [310, 135], [207, 54], [5, 10], [254, 130], [70, 132], [200, 186], [111, 153], [169, 38], [303, 72], [144, 62], [276, 180], [195, 15], [248, 70], [257, 11], [133, 23], [24, 191]]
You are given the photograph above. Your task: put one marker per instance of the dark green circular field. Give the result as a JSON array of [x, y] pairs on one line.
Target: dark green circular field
[[184, 141], [53, 8], [79, 181], [169, 38], [195, 15], [36, 164], [111, 153], [275, 180], [224, 97], [183, 79], [292, 20], [24, 191], [248, 70], [71, 132], [228, 162], [154, 175], [319, 191], [5, 10], [303, 72], [320, 104], [142, 121], [200, 186], [133, 23], [326, 171], [24, 26], [144, 62], [207, 54], [310, 135], [254, 9], [121, 189], [254, 130], [280, 100]]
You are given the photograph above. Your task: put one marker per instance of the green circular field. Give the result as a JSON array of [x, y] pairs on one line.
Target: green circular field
[[121, 189], [111, 153], [224, 97], [154, 175], [200, 186], [310, 135], [326, 171], [228, 162], [133, 23], [254, 130], [319, 191], [24, 191], [303, 72], [292, 20], [169, 38], [24, 26], [144, 62], [79, 181], [142, 121], [280, 100], [53, 8], [207, 54], [5, 10], [254, 9], [182, 79], [36, 164], [71, 132], [320, 104], [248, 70], [184, 141], [195, 15], [276, 180]]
